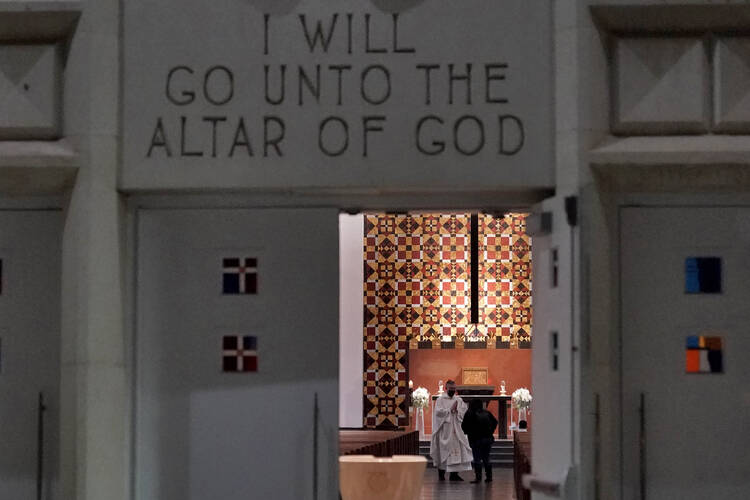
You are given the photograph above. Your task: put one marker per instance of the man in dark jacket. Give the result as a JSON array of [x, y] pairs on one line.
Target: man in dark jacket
[[479, 426]]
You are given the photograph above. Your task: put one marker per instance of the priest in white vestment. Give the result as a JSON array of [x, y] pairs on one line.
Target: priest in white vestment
[[449, 446]]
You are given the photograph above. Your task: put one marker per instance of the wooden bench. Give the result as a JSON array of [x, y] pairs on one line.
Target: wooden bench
[[378, 443], [521, 462]]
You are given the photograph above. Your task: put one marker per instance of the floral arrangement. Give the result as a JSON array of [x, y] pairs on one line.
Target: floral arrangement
[[420, 398], [521, 398]]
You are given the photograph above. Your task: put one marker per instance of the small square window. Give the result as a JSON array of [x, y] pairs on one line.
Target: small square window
[[554, 268], [703, 275], [703, 354]]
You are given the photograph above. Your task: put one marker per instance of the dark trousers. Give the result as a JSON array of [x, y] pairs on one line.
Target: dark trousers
[[480, 448]]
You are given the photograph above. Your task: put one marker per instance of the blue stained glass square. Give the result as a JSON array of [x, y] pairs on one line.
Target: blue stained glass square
[[249, 343], [692, 284], [231, 284], [692, 342], [703, 275]]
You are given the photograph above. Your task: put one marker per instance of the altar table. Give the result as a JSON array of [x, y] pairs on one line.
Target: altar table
[[502, 408]]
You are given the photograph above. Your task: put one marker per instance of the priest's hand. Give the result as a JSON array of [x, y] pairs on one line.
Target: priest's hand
[[454, 408]]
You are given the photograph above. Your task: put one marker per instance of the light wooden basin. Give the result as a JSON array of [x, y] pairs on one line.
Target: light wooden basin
[[365, 477]]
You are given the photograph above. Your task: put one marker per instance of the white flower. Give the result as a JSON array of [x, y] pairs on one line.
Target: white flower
[[420, 398], [521, 398]]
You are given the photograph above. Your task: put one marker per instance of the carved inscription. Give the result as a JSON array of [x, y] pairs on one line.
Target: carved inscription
[[350, 68]]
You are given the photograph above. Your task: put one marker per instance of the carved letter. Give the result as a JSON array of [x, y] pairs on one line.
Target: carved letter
[[276, 140], [427, 69], [282, 85], [396, 48], [340, 68], [386, 78], [266, 29], [159, 139], [439, 145], [466, 77], [491, 75], [516, 124], [213, 120], [318, 37], [344, 127], [240, 139], [188, 96], [368, 49], [183, 133], [377, 127], [456, 131], [219, 101], [314, 89]]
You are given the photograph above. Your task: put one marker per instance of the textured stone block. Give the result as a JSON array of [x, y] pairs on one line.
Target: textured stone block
[[732, 85], [30, 81], [660, 86]]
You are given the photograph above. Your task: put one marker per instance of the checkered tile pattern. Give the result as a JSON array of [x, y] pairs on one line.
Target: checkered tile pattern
[[505, 278], [398, 288], [417, 288]]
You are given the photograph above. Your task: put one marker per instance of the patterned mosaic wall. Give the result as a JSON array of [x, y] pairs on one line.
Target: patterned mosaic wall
[[505, 280], [417, 294]]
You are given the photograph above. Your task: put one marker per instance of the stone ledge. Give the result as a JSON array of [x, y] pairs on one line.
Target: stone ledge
[[38, 20], [672, 150], [37, 167], [39, 154], [661, 18]]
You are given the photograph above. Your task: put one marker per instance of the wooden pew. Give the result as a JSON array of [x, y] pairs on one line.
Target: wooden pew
[[521, 462], [378, 443]]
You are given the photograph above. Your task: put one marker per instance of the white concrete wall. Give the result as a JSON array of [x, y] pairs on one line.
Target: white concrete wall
[[556, 404], [638, 168], [201, 433], [29, 350], [554, 418], [351, 277]]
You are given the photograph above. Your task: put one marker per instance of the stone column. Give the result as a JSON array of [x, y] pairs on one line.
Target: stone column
[[94, 390]]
